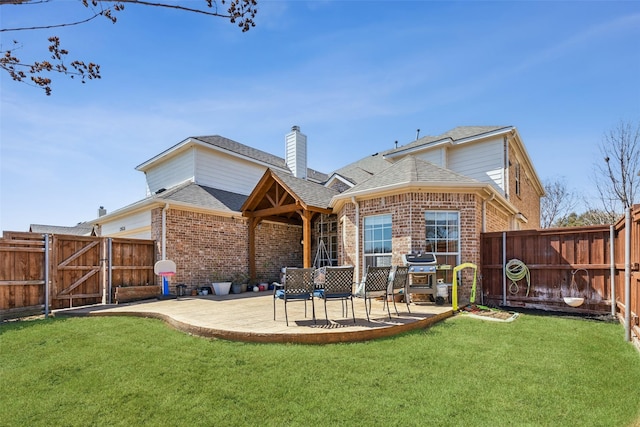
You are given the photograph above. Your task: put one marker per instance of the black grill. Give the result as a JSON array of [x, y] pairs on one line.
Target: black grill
[[420, 262], [422, 273]]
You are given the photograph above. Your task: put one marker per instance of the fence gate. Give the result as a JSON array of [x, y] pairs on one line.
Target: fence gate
[[76, 271]]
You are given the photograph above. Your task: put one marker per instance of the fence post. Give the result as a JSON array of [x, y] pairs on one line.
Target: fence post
[[46, 276], [612, 269], [504, 268], [627, 274], [109, 266]]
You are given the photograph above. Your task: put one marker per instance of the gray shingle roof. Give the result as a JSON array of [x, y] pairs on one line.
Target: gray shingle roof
[[411, 170], [462, 132], [311, 193], [455, 134], [255, 154], [207, 197], [364, 168], [82, 229]]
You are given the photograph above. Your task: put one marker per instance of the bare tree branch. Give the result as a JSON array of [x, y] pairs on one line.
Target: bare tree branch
[[557, 203], [240, 12], [616, 178], [46, 27]]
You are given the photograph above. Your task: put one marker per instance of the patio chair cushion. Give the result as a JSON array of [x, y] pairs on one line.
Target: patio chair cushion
[[319, 293], [280, 294]]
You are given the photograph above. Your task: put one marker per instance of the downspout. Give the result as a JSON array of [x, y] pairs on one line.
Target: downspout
[[484, 211], [612, 269], [627, 274], [357, 272], [164, 231]]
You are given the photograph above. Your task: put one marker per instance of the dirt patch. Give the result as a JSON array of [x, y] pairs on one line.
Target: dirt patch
[[487, 312]]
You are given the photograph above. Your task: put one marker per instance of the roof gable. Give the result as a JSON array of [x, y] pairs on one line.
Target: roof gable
[[232, 147], [411, 170], [281, 197]]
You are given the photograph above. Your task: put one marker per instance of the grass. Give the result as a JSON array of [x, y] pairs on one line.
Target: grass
[[119, 371]]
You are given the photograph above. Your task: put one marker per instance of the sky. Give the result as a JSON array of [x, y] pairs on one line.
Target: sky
[[356, 76]]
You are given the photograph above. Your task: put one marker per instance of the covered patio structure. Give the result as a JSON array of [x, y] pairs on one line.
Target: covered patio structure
[[286, 199]]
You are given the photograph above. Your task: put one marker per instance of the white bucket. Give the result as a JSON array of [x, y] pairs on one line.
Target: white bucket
[[442, 290]]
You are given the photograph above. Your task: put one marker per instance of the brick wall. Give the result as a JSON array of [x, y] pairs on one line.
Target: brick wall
[[277, 246], [409, 228], [408, 222], [209, 248], [528, 201]]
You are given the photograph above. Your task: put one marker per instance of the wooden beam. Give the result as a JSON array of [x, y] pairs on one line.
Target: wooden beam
[[272, 211]]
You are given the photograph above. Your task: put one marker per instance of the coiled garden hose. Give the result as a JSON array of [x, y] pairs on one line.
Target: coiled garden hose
[[516, 270]]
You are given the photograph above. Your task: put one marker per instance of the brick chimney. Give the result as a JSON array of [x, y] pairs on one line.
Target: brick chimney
[[296, 152]]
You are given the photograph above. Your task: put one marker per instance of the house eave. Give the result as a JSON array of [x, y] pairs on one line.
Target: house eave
[[529, 164], [483, 190], [149, 204], [450, 141], [401, 152]]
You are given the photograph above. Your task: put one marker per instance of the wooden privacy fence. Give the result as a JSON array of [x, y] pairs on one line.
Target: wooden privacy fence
[[556, 259], [80, 270]]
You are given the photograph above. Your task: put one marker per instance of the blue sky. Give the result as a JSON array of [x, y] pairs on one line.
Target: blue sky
[[356, 76]]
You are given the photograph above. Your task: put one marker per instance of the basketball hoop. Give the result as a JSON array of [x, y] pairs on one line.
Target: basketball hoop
[[165, 269]]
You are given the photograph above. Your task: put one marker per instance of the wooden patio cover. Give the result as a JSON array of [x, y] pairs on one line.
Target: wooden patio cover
[[284, 198]]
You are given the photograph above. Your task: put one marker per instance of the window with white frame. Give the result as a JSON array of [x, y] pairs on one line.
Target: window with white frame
[[377, 240], [443, 239]]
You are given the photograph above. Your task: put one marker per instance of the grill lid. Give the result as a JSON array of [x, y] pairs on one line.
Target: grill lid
[[419, 258]]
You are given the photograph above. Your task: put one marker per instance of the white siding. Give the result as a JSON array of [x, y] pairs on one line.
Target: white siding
[[480, 160], [225, 172], [171, 172], [437, 156], [136, 225]]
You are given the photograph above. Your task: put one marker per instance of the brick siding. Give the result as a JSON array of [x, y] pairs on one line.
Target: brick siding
[[409, 227], [528, 201], [208, 248]]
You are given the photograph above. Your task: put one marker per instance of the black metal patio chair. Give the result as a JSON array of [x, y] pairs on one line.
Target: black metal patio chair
[[376, 282], [297, 285], [400, 278], [335, 283]]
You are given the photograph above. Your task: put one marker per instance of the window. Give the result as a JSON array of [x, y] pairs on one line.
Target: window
[[443, 239], [327, 232], [377, 241]]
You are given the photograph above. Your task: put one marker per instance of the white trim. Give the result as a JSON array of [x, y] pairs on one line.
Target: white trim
[[338, 177]]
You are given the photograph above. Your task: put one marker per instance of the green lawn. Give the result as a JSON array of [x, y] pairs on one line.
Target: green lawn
[[537, 371]]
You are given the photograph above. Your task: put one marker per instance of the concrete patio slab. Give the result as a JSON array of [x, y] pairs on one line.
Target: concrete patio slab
[[249, 317]]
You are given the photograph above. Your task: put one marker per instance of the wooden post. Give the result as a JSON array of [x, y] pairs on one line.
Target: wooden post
[[253, 223], [306, 238]]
